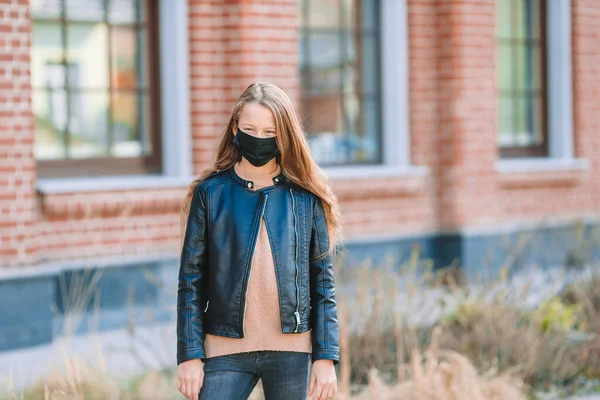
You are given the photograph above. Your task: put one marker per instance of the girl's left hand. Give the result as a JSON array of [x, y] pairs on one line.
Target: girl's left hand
[[323, 382]]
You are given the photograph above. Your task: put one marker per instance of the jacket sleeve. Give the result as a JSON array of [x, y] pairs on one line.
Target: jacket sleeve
[[324, 320], [192, 292]]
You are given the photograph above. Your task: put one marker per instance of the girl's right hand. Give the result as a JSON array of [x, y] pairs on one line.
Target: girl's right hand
[[190, 376]]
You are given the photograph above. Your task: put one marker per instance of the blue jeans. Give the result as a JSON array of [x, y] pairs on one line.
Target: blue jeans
[[284, 375]]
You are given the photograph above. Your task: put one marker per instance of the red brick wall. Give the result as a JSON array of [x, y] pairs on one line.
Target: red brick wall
[[555, 195], [467, 113], [232, 43], [17, 166], [470, 192], [108, 224], [453, 122]]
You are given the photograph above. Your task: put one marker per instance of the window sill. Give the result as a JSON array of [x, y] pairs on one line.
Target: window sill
[[375, 171], [519, 165], [109, 183], [547, 172]]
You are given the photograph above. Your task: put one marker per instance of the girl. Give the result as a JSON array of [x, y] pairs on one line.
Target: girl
[[256, 295]]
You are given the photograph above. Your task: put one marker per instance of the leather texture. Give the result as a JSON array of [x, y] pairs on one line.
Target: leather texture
[[221, 234]]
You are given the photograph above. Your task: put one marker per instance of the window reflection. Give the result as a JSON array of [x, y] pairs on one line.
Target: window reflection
[[340, 75], [89, 73], [521, 77]]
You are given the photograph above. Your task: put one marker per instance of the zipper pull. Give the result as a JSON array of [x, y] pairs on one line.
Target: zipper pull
[[297, 314], [208, 301]]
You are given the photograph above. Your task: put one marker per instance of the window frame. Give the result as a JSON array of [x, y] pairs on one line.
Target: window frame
[[175, 116], [542, 149], [344, 30], [559, 116], [97, 166], [561, 155], [395, 110]]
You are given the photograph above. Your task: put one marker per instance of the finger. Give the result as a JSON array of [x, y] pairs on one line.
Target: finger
[[312, 384], [188, 390], [335, 389], [183, 388], [330, 391], [195, 389], [319, 392], [326, 391], [325, 394]]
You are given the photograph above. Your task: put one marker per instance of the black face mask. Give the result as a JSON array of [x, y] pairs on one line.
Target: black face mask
[[258, 151]]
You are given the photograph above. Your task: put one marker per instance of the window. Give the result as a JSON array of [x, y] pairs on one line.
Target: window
[[340, 77], [521, 46], [94, 76]]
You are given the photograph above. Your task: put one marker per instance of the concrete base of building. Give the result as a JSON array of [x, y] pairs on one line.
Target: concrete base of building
[[73, 301], [482, 254]]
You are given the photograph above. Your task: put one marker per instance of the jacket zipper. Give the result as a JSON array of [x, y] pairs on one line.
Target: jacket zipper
[[208, 301], [262, 212], [296, 313]]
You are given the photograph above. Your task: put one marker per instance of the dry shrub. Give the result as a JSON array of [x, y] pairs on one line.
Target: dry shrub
[[586, 293], [442, 375], [156, 385], [498, 335], [76, 380], [370, 297], [387, 313]]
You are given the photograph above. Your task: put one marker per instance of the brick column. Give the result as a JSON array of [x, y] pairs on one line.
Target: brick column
[[17, 162], [268, 34], [467, 113]]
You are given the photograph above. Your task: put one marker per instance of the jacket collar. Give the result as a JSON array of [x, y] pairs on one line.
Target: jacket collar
[[277, 180]]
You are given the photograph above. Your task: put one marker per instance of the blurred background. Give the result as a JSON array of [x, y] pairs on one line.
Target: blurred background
[[461, 137]]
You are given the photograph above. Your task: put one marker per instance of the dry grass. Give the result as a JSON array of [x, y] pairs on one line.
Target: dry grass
[[489, 327], [479, 344], [441, 375], [74, 379], [586, 294], [450, 377], [499, 335]]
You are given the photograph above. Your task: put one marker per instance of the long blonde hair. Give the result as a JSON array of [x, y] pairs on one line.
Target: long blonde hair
[[295, 159]]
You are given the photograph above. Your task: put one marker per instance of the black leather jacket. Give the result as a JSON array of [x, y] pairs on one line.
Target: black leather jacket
[[222, 230]]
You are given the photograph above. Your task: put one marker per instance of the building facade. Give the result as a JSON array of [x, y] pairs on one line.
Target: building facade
[[466, 129]]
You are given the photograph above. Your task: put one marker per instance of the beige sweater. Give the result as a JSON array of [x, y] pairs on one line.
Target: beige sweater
[[262, 322]]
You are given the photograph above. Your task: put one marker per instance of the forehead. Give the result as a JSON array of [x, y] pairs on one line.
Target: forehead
[[256, 114]]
